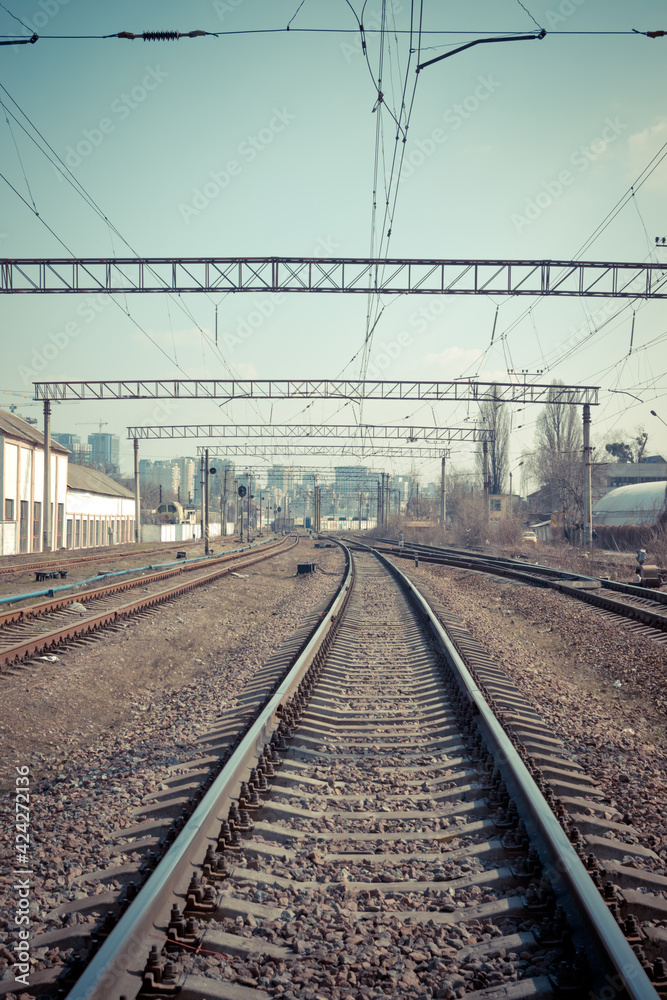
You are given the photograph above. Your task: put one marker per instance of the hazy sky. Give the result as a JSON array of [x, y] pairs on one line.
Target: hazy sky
[[264, 144]]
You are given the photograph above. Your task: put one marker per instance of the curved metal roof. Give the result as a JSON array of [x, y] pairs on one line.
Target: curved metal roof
[[639, 504]]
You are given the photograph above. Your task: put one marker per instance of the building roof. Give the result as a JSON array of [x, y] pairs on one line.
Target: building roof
[[642, 503], [82, 477], [13, 426]]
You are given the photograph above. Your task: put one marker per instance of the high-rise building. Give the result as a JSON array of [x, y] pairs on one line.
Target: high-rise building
[[67, 440], [280, 477], [105, 451]]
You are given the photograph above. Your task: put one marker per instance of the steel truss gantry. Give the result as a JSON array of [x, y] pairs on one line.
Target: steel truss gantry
[[352, 389], [361, 275], [358, 432], [366, 450]]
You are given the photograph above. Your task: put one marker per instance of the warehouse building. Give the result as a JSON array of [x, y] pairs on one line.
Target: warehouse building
[[88, 508]]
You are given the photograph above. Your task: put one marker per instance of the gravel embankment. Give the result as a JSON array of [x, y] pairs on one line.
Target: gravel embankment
[[139, 702], [565, 659]]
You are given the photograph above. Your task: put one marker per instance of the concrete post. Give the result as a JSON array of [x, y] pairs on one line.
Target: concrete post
[[206, 517], [201, 492], [485, 473], [443, 497], [588, 492], [46, 499], [137, 494]]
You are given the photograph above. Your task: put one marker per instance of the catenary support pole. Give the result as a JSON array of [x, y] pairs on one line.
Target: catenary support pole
[[443, 497], [137, 494], [588, 501], [485, 473], [205, 499], [46, 500], [201, 494]]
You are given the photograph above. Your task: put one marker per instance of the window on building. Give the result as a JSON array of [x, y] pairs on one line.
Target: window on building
[[496, 503], [84, 532], [36, 526], [9, 510], [77, 533], [69, 533], [97, 531], [23, 526]]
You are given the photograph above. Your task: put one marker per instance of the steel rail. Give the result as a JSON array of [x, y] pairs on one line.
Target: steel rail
[[104, 554], [51, 640], [56, 603], [533, 576], [568, 867], [116, 967]]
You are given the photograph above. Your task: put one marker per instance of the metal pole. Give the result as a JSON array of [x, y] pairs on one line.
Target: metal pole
[[443, 499], [206, 528], [359, 510], [249, 478], [137, 494], [485, 473], [201, 491], [223, 505], [46, 500], [588, 498], [510, 504], [378, 501]]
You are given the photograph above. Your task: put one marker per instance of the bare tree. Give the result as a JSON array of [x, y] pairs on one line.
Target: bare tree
[[557, 460], [494, 416]]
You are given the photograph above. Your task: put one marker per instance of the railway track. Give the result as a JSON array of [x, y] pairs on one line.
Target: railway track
[[39, 629], [101, 552], [642, 610], [378, 832]]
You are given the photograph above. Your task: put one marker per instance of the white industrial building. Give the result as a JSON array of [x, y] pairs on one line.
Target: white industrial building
[[638, 504], [87, 507]]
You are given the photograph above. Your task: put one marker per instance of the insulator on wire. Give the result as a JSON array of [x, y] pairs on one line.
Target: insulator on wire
[[161, 36]]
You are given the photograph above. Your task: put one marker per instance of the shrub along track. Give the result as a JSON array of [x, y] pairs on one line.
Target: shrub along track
[[404, 849]]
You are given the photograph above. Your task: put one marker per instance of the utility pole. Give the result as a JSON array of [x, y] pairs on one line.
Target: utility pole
[[46, 504], [223, 503], [588, 492], [485, 474], [359, 510], [201, 490], [137, 494], [443, 497], [378, 501], [206, 528]]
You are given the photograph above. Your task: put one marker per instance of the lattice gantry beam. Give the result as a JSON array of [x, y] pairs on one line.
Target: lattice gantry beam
[[355, 390], [298, 431], [366, 451], [394, 276]]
